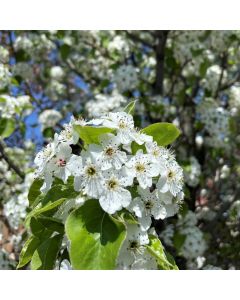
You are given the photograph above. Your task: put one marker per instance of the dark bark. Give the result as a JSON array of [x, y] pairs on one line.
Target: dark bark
[[10, 163], [161, 36]]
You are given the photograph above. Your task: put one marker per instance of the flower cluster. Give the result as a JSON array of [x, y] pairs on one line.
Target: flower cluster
[[234, 99], [103, 104], [192, 172], [216, 121], [24, 70], [5, 76], [193, 243], [212, 78], [16, 208], [49, 118], [147, 182], [10, 105], [4, 55], [126, 78]]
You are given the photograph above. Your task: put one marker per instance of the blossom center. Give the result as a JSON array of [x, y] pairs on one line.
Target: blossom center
[[170, 175], [148, 205], [133, 245], [61, 162], [155, 152], [109, 151], [91, 171], [122, 124], [112, 184], [140, 168]]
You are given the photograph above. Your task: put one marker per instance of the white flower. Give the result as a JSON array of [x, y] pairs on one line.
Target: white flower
[[158, 153], [59, 163], [146, 206], [23, 69], [192, 172], [124, 124], [189, 220], [171, 179], [103, 104], [89, 178], [114, 196], [126, 78], [49, 118], [194, 244], [109, 155], [144, 261], [4, 55], [45, 155], [5, 76], [141, 167], [68, 135], [141, 138], [56, 72], [80, 121], [133, 246]]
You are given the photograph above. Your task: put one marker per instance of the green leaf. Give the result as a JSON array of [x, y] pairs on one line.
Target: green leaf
[[178, 240], [65, 51], [165, 260], [59, 191], [21, 56], [34, 191], [43, 224], [95, 237], [203, 68], [90, 134], [127, 217], [129, 109], [48, 132], [27, 251], [135, 147], [163, 133], [14, 82], [40, 210], [7, 127], [44, 257]]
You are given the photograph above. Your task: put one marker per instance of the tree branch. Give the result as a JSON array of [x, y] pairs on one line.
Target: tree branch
[[223, 67], [10, 162], [137, 39], [160, 52]]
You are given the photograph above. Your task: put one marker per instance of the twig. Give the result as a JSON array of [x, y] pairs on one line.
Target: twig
[[10, 162], [136, 38]]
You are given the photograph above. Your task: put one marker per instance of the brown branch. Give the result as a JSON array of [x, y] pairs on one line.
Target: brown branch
[[10, 162], [160, 52], [230, 83], [223, 67], [137, 39]]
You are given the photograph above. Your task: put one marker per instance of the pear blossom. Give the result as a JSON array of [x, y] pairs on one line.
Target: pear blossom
[[141, 167], [45, 155], [59, 163], [68, 135], [158, 153], [110, 155], [124, 125], [114, 196], [133, 246], [89, 178], [171, 179], [146, 206]]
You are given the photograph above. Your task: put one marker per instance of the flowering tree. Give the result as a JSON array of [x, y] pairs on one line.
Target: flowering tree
[[95, 190]]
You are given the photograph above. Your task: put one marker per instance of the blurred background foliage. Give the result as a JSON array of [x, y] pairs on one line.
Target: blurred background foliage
[[190, 78]]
